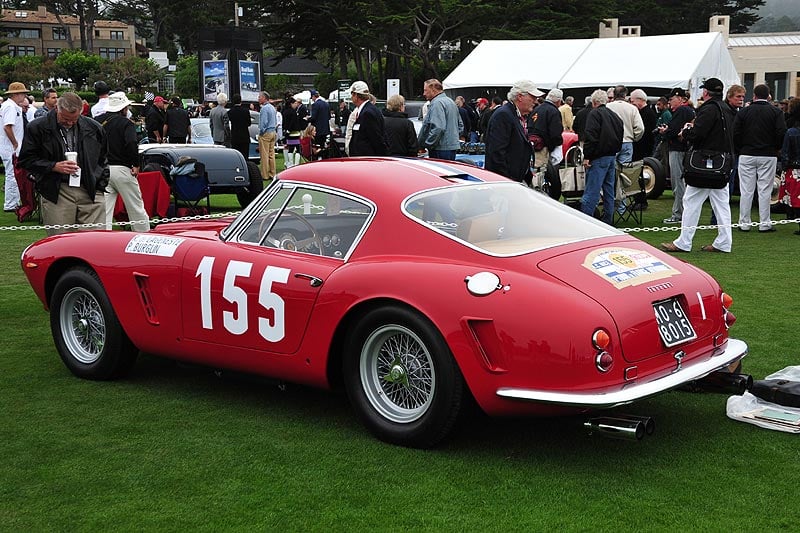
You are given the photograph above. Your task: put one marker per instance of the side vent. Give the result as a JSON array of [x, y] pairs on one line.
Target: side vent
[[149, 309]]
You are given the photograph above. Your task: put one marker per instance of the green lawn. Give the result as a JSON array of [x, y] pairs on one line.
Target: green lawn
[[178, 448]]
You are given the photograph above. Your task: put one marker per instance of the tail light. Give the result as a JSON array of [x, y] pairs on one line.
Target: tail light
[[601, 340], [729, 318]]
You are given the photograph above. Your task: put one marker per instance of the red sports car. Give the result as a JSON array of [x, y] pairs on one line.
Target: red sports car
[[412, 284]]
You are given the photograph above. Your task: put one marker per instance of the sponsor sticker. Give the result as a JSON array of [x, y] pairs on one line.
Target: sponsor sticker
[[625, 267], [160, 245]]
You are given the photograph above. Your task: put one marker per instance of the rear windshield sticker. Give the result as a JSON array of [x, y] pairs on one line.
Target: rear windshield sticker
[[623, 267], [153, 245]]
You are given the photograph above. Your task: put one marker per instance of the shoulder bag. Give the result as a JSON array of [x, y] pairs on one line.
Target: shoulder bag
[[709, 169]]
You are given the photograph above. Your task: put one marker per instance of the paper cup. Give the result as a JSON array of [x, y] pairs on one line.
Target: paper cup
[[71, 156]]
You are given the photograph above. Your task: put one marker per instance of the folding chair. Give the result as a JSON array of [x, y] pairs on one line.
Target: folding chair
[[189, 188], [630, 193]]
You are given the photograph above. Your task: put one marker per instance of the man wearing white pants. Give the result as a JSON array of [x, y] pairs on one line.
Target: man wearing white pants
[[123, 164], [758, 132], [11, 139]]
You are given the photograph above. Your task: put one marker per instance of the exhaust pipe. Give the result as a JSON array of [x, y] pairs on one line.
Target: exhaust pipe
[[725, 383], [648, 421], [616, 428]]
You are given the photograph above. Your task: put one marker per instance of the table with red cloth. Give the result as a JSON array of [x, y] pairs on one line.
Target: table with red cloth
[[155, 193]]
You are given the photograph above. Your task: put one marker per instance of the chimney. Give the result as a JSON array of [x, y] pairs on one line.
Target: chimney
[[721, 24], [608, 28], [41, 12]]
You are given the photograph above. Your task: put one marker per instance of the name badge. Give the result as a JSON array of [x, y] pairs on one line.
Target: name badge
[[75, 179], [356, 127]]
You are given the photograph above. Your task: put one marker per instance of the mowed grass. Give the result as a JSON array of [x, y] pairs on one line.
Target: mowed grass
[[178, 448]]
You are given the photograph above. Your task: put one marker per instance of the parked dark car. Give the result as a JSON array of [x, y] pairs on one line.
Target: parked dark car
[[227, 170]]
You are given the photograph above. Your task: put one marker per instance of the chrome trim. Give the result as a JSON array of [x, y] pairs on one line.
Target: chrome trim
[[734, 351]]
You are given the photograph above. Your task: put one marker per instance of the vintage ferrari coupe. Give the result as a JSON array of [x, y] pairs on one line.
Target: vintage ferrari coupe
[[415, 285]]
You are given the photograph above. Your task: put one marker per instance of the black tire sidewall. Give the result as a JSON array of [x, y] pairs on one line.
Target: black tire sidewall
[[117, 355], [438, 421]]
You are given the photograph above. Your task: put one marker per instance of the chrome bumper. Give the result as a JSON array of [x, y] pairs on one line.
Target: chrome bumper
[[631, 392]]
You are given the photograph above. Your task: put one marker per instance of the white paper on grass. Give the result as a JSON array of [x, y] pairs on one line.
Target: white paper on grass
[[747, 406]]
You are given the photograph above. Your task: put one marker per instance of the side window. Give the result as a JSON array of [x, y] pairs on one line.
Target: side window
[[310, 221]]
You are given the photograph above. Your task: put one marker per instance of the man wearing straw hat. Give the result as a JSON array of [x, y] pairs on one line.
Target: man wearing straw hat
[[11, 139]]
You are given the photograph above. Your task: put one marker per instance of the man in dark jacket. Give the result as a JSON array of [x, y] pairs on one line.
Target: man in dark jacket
[[154, 121], [712, 130], [548, 126], [603, 139], [508, 150], [399, 130], [682, 113], [123, 163], [758, 130], [369, 133], [320, 117], [72, 191]]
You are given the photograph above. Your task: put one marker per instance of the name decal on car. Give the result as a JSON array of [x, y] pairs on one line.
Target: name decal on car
[[153, 245], [625, 267]]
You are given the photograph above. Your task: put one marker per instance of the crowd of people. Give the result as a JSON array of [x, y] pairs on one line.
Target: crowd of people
[[521, 133]]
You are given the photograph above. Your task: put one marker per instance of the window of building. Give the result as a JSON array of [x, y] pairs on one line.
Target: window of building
[[97, 33], [53, 52], [59, 33], [17, 51], [112, 53], [778, 84], [21, 33], [117, 35]]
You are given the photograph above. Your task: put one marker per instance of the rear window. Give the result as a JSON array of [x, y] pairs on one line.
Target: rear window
[[503, 218]]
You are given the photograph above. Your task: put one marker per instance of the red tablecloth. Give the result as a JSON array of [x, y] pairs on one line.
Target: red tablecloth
[[155, 193]]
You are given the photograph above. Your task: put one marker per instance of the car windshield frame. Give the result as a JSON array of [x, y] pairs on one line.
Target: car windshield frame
[[502, 219]]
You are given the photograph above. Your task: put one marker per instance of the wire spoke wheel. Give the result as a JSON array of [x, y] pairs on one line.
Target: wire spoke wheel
[[397, 373], [83, 325]]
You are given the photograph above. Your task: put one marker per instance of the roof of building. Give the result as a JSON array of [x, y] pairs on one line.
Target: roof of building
[[764, 39], [37, 17]]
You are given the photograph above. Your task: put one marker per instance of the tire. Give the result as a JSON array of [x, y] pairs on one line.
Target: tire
[[245, 195], [552, 183], [402, 379], [655, 177], [86, 331]]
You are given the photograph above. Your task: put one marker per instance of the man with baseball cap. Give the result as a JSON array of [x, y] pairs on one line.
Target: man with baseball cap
[[320, 117], [101, 90], [369, 132], [155, 120], [123, 163], [682, 113], [11, 139]]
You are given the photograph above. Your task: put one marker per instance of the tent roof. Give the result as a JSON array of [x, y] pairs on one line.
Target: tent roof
[[661, 61]]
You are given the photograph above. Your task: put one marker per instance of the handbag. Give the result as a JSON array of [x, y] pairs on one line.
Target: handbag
[[780, 391], [709, 169]]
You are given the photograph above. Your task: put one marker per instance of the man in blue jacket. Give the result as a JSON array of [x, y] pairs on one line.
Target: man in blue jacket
[[442, 124], [508, 150]]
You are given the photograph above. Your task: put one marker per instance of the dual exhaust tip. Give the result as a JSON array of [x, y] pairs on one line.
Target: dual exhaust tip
[[634, 427], [621, 426]]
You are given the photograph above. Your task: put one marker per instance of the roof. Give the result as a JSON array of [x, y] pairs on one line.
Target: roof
[[765, 39], [34, 17], [572, 63]]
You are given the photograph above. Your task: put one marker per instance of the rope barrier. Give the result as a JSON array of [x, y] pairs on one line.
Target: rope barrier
[[156, 221]]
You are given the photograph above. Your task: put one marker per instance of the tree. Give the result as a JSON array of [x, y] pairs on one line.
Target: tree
[[187, 81], [78, 65], [131, 72]]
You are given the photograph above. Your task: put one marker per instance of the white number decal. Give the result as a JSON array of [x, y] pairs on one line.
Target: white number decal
[[236, 322], [270, 301], [204, 271]]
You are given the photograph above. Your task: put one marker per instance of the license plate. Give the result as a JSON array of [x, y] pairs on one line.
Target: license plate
[[673, 322]]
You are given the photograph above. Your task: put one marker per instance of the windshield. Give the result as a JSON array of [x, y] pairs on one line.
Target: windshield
[[503, 218]]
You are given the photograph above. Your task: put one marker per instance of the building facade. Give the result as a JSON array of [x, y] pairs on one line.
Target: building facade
[[40, 33]]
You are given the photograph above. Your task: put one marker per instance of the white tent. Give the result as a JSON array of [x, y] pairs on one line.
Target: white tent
[[661, 61]]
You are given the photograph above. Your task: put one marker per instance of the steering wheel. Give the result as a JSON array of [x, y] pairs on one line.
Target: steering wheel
[[291, 243]]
